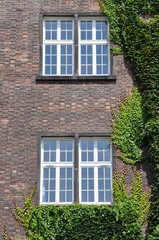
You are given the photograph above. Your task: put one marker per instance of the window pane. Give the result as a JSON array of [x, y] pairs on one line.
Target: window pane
[[91, 196], [108, 196], [62, 196], [52, 185], [69, 196], [46, 156], [101, 196], [52, 196], [69, 145], [62, 184], [52, 172], [53, 157], [62, 172], [69, 172], [45, 185], [84, 172], [84, 196], [45, 197], [90, 156], [84, 156], [69, 156], [84, 184], [91, 172]]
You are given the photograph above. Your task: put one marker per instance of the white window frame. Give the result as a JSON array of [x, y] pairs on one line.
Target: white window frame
[[56, 165], [58, 43], [95, 165], [94, 43]]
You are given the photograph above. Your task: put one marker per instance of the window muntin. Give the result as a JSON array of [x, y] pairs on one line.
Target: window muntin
[[95, 171], [57, 171], [93, 47], [58, 46]]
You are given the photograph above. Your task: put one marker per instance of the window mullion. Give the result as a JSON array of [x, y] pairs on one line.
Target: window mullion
[[58, 47], [94, 47], [96, 184]]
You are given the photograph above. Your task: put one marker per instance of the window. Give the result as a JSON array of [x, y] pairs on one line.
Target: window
[[58, 47], [58, 170], [61, 48], [93, 50]]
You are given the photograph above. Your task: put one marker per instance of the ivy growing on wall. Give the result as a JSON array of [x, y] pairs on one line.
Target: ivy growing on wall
[[123, 220], [134, 28], [128, 127]]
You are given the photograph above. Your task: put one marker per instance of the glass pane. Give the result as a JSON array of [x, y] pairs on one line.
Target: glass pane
[[47, 60], [62, 184], [91, 172], [69, 145], [47, 49], [83, 25], [62, 172], [107, 184], [47, 70], [83, 49], [105, 69], [83, 35], [98, 49], [48, 35], [100, 156], [84, 196], [91, 196], [69, 184], [69, 156], [99, 70], [101, 184], [47, 25], [63, 59], [53, 156], [101, 196], [84, 184], [107, 156], [69, 70], [100, 172], [62, 196], [108, 196], [69, 172], [54, 25], [54, 35], [90, 156], [69, 196], [69, 60], [99, 59], [89, 35], [46, 156], [84, 156], [53, 145], [69, 25], [46, 145], [84, 145], [90, 145], [63, 25], [62, 157], [91, 184], [84, 172], [63, 49], [98, 25], [98, 35], [52, 172], [104, 25], [69, 49], [83, 59], [46, 172], [45, 197], [100, 145], [89, 49], [52, 196], [89, 25], [89, 59], [63, 35], [52, 185], [107, 172], [54, 49], [69, 35], [62, 145], [45, 185]]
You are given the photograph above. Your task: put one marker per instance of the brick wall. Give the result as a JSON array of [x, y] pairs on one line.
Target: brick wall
[[30, 109]]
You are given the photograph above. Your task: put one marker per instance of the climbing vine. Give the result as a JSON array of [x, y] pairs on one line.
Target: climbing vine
[[123, 220], [134, 29], [128, 127]]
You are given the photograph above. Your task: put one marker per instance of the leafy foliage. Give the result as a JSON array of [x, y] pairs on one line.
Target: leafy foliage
[[133, 207], [122, 220], [134, 27], [128, 128]]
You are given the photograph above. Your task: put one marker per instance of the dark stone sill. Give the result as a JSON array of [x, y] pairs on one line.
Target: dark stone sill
[[75, 79]]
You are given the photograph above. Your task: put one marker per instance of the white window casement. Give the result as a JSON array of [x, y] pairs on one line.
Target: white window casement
[[95, 171], [58, 47], [94, 179], [57, 171], [93, 47], [61, 48]]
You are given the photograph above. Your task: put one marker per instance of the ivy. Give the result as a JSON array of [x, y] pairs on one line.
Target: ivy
[[128, 127], [134, 27], [123, 220]]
